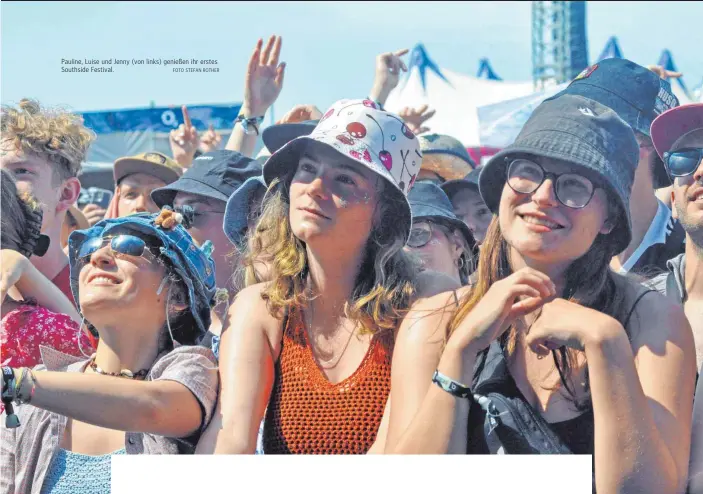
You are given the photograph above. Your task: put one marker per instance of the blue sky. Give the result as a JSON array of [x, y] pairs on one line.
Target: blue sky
[[329, 46]]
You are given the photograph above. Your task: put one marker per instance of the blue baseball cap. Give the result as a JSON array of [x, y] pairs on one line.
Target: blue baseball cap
[[191, 263], [583, 133], [635, 93], [215, 175], [238, 208], [429, 202]]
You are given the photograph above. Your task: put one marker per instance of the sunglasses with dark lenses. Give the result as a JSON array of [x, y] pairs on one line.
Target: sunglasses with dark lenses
[[128, 245], [572, 190], [683, 162]]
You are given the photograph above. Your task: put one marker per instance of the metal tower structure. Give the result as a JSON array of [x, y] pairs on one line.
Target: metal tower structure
[[559, 44]]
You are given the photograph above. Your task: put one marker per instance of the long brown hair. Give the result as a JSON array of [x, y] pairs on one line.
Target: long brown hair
[[384, 287], [589, 282], [21, 216]]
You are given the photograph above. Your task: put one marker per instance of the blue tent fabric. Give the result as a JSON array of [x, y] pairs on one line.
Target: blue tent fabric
[[611, 49], [422, 62], [485, 71]]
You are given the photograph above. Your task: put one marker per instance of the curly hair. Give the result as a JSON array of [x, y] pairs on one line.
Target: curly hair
[[21, 219], [384, 286], [54, 135]]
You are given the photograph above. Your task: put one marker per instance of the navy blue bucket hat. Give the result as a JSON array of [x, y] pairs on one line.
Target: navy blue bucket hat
[[277, 136], [583, 133], [238, 209], [429, 202], [215, 175], [470, 181], [183, 257], [635, 93]]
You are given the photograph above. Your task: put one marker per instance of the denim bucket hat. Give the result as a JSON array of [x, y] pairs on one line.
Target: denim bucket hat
[[635, 93], [374, 138], [429, 202], [238, 209], [583, 133], [192, 264]]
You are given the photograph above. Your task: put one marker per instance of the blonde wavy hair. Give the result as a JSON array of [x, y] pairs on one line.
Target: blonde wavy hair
[[385, 282], [54, 135]]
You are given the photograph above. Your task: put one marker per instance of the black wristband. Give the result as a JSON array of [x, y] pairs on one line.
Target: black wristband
[[451, 386]]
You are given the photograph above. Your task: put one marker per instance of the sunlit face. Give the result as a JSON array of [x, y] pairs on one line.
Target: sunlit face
[[135, 194], [36, 177], [687, 192], [470, 208], [440, 252], [333, 198], [541, 228], [113, 286]]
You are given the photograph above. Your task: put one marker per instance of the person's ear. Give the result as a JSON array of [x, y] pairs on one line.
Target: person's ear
[[457, 245], [70, 189], [608, 226]]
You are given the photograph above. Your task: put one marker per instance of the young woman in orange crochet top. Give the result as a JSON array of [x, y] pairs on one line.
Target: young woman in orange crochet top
[[311, 349]]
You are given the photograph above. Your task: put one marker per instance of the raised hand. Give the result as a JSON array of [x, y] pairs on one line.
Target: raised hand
[[663, 73], [388, 67], [519, 294], [210, 140], [184, 140], [301, 113], [264, 78], [93, 213], [416, 117]]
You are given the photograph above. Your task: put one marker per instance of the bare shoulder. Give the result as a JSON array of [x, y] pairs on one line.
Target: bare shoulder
[[429, 317], [430, 283], [655, 319], [249, 311]]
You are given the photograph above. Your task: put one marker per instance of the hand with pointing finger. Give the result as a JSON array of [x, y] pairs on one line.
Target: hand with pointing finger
[[184, 141], [388, 68], [416, 117]]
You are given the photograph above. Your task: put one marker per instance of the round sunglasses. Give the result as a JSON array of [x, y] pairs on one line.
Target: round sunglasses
[[129, 245], [572, 190], [683, 162], [421, 233]]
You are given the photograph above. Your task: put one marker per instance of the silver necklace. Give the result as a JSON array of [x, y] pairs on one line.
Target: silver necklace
[[310, 332]]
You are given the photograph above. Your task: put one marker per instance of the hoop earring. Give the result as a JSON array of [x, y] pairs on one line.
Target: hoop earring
[[460, 263]]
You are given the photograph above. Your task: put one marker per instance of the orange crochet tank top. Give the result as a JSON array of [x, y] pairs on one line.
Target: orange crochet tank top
[[309, 415]]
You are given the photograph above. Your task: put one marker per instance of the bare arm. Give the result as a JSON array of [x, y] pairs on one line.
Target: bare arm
[[642, 404], [424, 418], [165, 408], [246, 373], [262, 85], [31, 283]]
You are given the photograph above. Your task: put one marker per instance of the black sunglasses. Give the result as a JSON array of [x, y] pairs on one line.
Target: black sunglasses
[[683, 162], [572, 190]]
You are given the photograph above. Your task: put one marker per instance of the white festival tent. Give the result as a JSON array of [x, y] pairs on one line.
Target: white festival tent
[[456, 97]]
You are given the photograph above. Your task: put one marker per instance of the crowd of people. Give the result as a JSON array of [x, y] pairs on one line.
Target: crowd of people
[[361, 286]]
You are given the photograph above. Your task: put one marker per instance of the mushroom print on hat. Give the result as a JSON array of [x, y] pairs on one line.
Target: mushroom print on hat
[[375, 138]]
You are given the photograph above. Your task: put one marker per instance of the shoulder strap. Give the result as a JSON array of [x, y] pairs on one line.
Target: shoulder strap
[[634, 305], [672, 289]]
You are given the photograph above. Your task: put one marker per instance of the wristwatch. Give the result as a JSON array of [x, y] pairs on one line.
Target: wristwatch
[[451, 386], [250, 125]]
